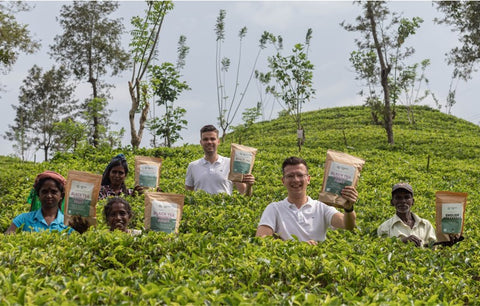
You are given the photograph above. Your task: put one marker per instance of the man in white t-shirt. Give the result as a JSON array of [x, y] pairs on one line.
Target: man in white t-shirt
[[210, 173], [299, 214]]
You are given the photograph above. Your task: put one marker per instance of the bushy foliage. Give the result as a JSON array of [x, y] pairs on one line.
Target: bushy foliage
[[215, 259]]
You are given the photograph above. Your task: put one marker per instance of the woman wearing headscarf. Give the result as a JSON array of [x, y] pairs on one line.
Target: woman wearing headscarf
[[113, 179], [33, 198], [50, 189]]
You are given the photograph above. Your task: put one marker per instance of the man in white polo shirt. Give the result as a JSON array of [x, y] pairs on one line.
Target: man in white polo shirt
[[300, 215], [210, 173]]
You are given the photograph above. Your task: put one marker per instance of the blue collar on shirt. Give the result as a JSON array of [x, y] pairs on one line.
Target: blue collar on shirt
[[39, 217]]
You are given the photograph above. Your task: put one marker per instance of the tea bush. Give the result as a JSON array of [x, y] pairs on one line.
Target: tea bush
[[215, 259]]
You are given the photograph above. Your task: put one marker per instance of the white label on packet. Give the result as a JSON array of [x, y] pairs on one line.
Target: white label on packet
[[452, 210], [148, 170], [243, 157], [341, 172], [164, 216], [81, 190]]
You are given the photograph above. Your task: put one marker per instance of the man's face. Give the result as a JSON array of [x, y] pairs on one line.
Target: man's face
[[296, 179], [209, 142], [402, 200]]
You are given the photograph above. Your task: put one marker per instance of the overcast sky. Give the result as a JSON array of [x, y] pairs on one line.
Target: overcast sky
[[334, 79]]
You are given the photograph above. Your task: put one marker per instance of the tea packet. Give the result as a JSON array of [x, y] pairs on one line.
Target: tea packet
[[81, 196], [341, 169], [241, 161], [163, 211], [147, 171], [450, 214]]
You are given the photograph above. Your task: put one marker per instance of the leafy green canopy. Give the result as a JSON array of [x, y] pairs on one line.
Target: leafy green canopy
[[216, 259], [14, 37]]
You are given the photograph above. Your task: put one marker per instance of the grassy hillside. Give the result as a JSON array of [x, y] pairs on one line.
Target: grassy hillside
[[217, 260]]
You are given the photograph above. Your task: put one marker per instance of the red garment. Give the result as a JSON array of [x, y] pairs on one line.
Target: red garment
[[51, 175]]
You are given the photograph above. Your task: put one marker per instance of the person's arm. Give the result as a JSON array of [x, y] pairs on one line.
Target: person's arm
[[189, 182], [412, 238], [347, 219], [138, 190], [79, 224], [245, 187], [267, 223], [11, 229], [264, 231]]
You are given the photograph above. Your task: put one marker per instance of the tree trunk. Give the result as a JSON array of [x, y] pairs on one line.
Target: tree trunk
[[385, 71], [96, 120], [135, 95], [387, 116]]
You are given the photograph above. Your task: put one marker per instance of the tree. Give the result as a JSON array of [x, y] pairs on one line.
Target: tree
[[69, 135], [409, 87], [168, 126], [249, 116], [464, 17], [19, 132], [292, 77], [95, 111], [89, 45], [14, 37], [166, 85], [45, 98], [382, 47], [144, 49], [229, 106]]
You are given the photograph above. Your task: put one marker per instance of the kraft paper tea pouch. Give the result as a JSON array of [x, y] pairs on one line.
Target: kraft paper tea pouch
[[242, 159], [147, 171], [341, 169], [450, 214], [163, 211], [81, 196]]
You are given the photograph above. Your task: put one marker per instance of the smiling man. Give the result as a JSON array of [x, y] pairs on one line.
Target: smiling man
[[210, 173], [405, 224], [301, 216]]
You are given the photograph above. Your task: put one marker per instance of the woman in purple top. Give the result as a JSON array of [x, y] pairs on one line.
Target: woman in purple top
[[113, 179]]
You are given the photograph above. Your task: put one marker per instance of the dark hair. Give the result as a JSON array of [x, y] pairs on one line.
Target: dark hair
[[208, 128], [60, 186], [108, 207], [118, 160], [42, 181], [292, 161]]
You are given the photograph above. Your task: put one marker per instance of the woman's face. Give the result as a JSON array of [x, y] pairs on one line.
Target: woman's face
[[118, 218], [117, 176], [49, 194]]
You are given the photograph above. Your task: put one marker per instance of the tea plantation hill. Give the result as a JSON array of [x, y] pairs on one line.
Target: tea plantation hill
[[217, 260]]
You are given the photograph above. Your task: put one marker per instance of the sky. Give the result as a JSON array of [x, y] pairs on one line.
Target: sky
[[331, 45]]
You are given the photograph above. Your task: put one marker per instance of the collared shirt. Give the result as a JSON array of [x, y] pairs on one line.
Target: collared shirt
[[394, 227], [310, 222], [210, 177], [35, 222]]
